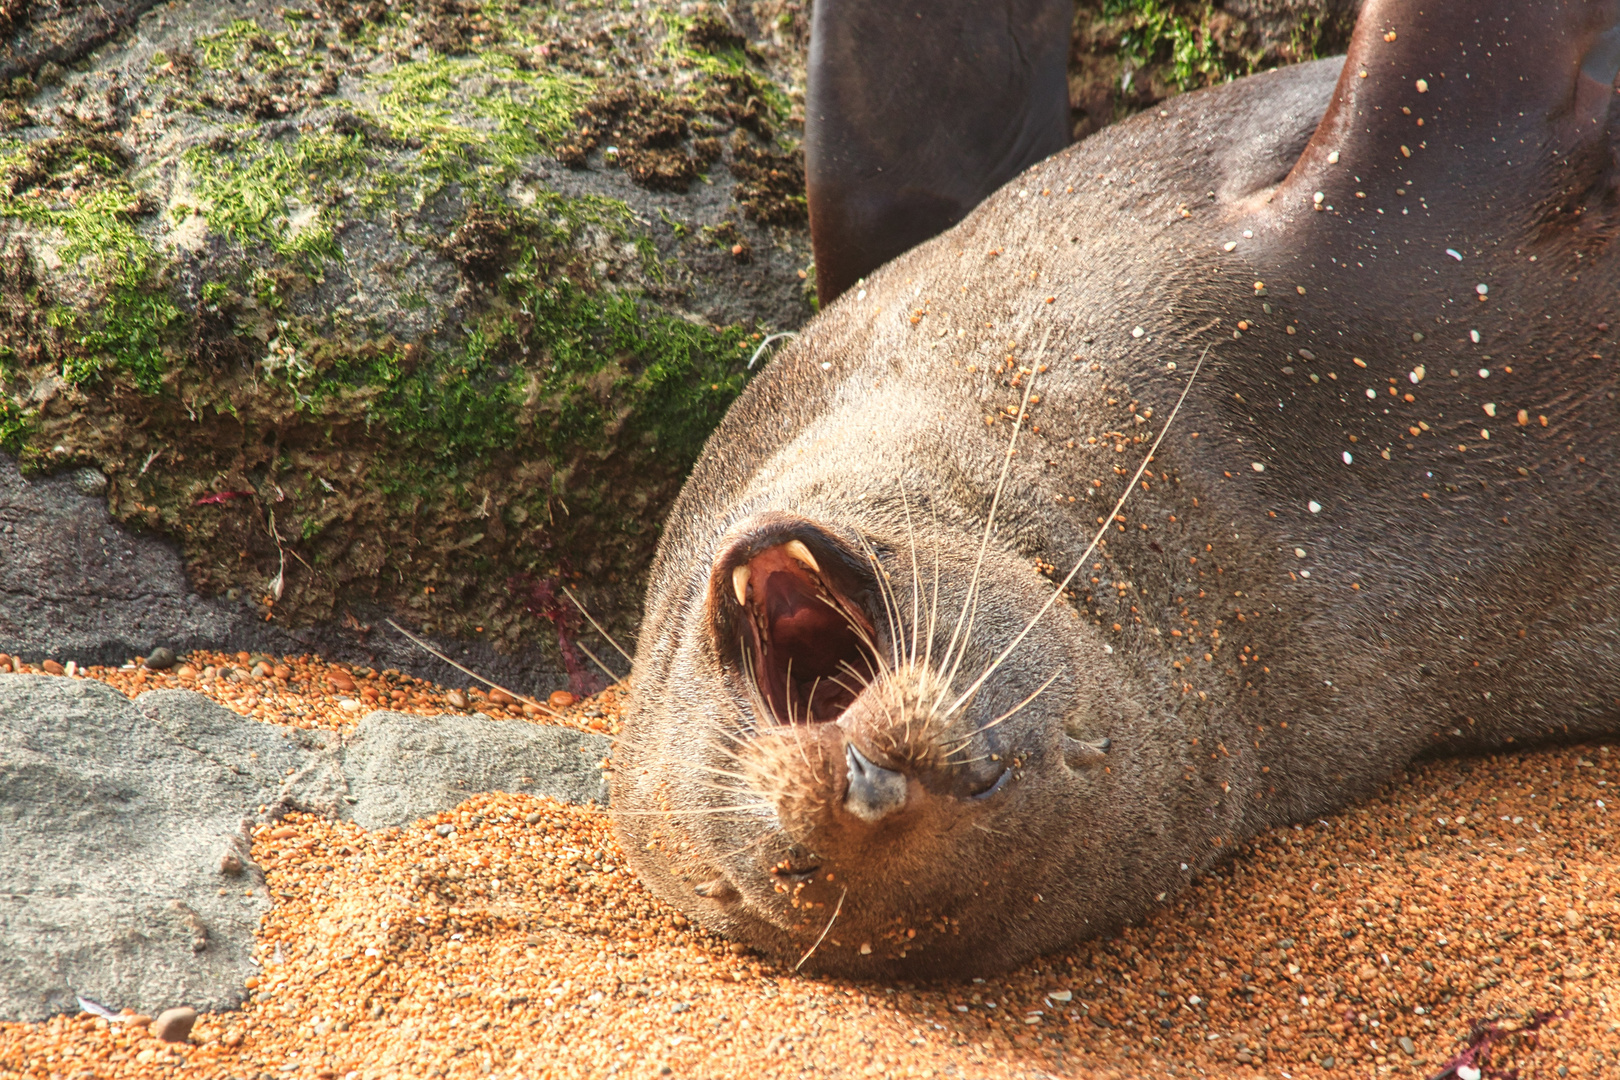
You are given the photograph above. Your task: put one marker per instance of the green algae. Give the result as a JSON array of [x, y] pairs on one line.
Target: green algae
[[1159, 33], [540, 431], [73, 189]]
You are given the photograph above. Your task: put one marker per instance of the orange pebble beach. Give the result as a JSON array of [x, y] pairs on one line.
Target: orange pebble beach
[[1473, 904]]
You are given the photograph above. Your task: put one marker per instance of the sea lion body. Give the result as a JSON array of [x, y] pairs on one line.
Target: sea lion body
[[1357, 542]]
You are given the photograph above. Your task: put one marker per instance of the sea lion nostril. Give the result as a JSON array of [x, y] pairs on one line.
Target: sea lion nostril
[[874, 792]]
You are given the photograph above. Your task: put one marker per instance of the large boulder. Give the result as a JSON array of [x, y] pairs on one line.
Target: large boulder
[[422, 308], [125, 871]]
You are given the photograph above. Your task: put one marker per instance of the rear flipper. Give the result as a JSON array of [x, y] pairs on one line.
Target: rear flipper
[[917, 111]]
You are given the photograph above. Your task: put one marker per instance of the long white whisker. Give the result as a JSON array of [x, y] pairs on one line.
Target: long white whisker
[[825, 932], [1095, 540], [916, 582], [964, 621], [1009, 714], [701, 810], [608, 637]]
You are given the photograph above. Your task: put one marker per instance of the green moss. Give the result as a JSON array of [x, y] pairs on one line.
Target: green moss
[[689, 43], [125, 326], [243, 42], [1158, 33], [417, 101], [14, 427], [251, 196]]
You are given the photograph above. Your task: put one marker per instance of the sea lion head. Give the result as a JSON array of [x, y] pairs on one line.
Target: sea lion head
[[832, 757]]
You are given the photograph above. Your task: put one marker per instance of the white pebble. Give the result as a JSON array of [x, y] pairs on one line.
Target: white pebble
[[861, 295], [1484, 434], [1454, 253], [826, 365], [1372, 393], [1258, 466], [1304, 573], [1473, 335], [1333, 157], [1314, 507], [1467, 1072], [1484, 372], [1490, 408], [1347, 458], [1230, 245], [1318, 197], [1416, 374], [1299, 553], [1137, 332], [348, 704], [1423, 88], [1194, 999], [1482, 288], [1248, 234]]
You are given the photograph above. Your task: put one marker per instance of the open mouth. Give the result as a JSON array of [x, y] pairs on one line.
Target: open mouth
[[807, 643]]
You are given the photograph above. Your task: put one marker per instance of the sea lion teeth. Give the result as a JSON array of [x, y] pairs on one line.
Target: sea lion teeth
[[739, 584], [797, 549], [874, 792]]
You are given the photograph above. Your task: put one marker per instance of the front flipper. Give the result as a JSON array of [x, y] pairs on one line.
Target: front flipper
[[1484, 108], [917, 111]]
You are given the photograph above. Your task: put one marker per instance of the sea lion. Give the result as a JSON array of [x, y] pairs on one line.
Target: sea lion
[[984, 624]]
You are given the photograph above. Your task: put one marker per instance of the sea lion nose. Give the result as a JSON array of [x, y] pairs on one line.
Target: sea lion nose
[[874, 792]]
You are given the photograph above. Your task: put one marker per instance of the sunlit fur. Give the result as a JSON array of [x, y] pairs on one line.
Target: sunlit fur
[[1191, 686]]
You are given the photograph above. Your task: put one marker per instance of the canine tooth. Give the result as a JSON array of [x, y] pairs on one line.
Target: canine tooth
[[797, 549], [739, 583]]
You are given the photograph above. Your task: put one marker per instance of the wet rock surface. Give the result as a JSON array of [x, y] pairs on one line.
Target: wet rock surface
[[124, 827]]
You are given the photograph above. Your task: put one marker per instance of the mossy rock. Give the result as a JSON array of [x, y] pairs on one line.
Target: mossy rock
[[421, 306], [425, 307]]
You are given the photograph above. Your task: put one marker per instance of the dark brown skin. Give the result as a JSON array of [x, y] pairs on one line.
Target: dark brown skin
[[1269, 630], [917, 111]]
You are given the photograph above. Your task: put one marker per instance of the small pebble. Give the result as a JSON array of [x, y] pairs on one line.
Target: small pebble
[[456, 699], [51, 667], [561, 699], [161, 659], [174, 1025]]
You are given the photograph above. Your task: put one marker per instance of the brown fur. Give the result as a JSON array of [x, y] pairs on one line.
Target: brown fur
[[1456, 599]]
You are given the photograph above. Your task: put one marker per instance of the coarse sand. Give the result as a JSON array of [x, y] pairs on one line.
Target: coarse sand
[[1462, 920]]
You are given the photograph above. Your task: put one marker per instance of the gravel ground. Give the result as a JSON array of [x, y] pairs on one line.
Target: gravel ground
[[1422, 934]]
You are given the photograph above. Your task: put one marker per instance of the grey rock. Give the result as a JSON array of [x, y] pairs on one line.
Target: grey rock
[[111, 830], [401, 767], [162, 658], [120, 821], [75, 585]]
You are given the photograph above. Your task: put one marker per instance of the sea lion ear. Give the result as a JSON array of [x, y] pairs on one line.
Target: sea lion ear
[[916, 111], [1461, 102]]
